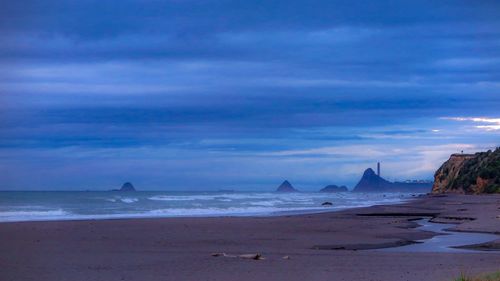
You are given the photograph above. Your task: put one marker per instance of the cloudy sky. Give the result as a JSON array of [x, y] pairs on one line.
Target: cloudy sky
[[203, 95]]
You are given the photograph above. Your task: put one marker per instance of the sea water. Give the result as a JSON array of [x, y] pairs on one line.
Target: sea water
[[445, 241], [67, 205]]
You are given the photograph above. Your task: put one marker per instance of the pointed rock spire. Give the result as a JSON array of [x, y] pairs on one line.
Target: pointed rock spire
[[286, 186]]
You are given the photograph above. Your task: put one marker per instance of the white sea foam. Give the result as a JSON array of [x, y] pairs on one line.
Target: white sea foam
[[242, 211], [174, 212], [181, 197], [32, 215], [165, 204], [122, 199], [235, 196], [269, 203], [129, 200]]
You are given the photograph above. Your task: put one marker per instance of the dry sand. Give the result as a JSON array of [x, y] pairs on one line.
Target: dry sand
[[328, 246]]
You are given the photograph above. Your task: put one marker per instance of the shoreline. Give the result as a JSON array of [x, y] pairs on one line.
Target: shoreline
[[277, 214], [139, 206], [181, 248]]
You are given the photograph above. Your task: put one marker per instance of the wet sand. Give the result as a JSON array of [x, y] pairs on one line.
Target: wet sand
[[328, 246]]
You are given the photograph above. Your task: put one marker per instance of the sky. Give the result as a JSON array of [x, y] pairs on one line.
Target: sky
[[207, 95]]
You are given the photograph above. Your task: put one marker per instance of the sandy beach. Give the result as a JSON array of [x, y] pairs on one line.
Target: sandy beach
[[328, 246]]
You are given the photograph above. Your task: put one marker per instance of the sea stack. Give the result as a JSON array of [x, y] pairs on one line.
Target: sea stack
[[334, 188], [286, 187], [127, 187], [371, 182]]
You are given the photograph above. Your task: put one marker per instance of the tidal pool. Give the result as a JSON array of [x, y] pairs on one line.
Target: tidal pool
[[446, 240]]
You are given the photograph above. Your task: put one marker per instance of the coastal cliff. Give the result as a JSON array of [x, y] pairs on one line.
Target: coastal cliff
[[469, 174]]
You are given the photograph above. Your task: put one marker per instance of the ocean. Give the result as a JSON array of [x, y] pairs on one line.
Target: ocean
[[70, 205]]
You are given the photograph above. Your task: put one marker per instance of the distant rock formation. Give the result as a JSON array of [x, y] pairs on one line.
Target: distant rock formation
[[371, 182], [469, 173], [126, 187], [286, 187], [334, 188]]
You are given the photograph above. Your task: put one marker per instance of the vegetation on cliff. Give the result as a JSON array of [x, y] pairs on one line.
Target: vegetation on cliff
[[484, 277], [469, 173]]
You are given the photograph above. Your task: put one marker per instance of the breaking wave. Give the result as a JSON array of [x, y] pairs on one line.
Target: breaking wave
[[32, 215], [26, 206]]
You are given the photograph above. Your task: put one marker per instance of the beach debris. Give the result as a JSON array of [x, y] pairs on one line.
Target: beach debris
[[223, 255], [251, 256], [256, 256], [327, 203], [286, 257]]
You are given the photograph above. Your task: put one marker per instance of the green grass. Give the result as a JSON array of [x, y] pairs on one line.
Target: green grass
[[484, 277]]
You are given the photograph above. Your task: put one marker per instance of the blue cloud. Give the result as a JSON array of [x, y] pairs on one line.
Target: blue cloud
[[241, 93]]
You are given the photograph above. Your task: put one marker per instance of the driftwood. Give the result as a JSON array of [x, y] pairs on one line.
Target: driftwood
[[242, 256]]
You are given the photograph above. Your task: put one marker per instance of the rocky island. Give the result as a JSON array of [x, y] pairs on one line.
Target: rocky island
[[334, 188], [372, 182], [469, 174], [126, 187], [286, 186]]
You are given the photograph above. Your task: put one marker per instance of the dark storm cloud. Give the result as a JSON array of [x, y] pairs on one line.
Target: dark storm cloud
[[100, 18], [218, 29]]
